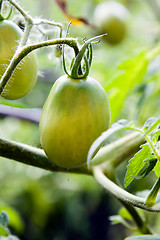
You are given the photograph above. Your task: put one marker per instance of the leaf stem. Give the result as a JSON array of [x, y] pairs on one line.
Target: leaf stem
[[44, 21], [19, 8], [78, 59]]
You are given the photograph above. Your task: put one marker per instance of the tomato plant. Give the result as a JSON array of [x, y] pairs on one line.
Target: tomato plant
[[110, 17], [25, 75], [73, 129]]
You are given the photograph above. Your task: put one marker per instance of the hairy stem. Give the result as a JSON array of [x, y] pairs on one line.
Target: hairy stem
[[36, 157], [32, 156], [47, 22], [22, 52], [19, 8]]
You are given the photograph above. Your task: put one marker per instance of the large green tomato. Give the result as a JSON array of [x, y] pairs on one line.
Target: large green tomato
[[111, 17], [76, 112], [24, 76]]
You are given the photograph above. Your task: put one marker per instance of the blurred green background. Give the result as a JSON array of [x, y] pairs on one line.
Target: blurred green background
[[63, 206]]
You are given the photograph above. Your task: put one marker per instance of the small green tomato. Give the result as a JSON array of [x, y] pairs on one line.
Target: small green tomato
[[111, 17], [76, 112]]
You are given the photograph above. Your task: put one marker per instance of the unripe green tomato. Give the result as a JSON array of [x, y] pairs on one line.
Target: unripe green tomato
[[24, 76], [76, 112], [111, 17]]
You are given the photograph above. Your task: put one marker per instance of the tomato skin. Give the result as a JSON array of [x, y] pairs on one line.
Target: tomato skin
[[76, 112], [111, 18], [24, 76]]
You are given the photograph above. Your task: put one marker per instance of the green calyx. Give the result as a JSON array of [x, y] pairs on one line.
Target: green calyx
[[77, 70], [5, 11]]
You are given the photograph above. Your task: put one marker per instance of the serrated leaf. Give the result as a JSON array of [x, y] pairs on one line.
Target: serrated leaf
[[148, 169], [157, 169], [144, 237], [137, 163], [155, 136]]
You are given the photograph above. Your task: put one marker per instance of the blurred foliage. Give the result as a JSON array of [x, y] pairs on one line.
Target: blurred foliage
[[43, 205]]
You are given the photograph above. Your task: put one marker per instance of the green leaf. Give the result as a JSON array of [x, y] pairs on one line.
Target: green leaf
[[155, 136], [144, 237], [125, 214], [137, 163], [128, 75], [4, 231], [157, 169], [152, 196], [148, 169]]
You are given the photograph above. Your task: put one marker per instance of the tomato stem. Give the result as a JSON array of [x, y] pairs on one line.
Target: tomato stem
[[80, 55], [23, 51], [32, 156]]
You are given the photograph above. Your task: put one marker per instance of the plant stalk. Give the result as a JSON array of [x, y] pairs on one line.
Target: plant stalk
[[141, 225], [22, 52], [122, 194], [36, 157]]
